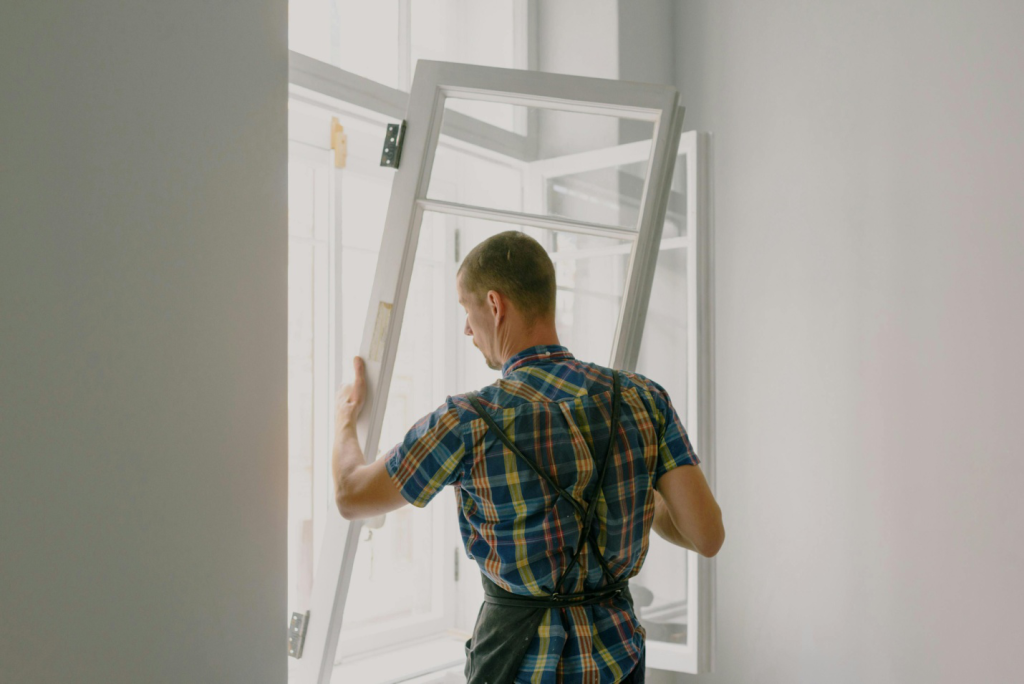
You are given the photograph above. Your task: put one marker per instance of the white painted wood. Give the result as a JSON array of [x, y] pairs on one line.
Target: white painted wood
[[532, 220], [324, 83], [644, 106], [703, 236], [591, 252], [640, 273]]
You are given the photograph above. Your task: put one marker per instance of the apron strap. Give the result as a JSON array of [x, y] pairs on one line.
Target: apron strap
[[508, 622], [588, 514], [494, 594], [587, 529]]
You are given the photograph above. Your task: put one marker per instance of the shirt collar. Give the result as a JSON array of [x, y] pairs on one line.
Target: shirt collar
[[533, 355]]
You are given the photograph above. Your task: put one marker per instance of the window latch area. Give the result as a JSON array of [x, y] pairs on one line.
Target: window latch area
[[297, 634], [393, 145]]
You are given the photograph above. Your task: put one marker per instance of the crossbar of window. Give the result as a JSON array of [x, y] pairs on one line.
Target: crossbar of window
[[667, 244], [532, 220], [555, 103]]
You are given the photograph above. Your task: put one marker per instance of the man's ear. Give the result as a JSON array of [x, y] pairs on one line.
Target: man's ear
[[496, 304]]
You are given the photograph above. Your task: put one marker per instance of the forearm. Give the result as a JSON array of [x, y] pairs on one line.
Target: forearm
[[665, 527], [346, 459]]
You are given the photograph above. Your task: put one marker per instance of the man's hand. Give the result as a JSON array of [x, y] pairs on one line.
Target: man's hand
[[350, 400], [360, 490]]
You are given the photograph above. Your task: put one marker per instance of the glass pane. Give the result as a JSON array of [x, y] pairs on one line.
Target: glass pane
[[418, 381], [612, 195], [366, 38], [675, 215], [360, 204], [393, 574], [664, 348], [609, 196], [308, 360], [354, 35], [396, 574], [660, 592], [472, 32], [660, 589], [362, 209], [591, 276], [300, 425], [467, 178], [300, 199]]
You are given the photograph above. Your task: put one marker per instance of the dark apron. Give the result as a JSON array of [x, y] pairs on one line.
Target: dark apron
[[508, 622]]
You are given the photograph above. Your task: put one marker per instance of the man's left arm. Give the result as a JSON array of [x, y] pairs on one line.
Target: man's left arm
[[361, 490]]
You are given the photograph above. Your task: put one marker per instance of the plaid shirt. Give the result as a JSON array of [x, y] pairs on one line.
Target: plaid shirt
[[556, 409]]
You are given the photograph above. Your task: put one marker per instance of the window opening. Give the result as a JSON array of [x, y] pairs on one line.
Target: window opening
[[593, 267]]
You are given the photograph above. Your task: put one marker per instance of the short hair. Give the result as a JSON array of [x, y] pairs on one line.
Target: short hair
[[515, 265]]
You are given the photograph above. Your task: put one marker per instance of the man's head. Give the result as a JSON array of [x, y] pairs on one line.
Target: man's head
[[507, 286]]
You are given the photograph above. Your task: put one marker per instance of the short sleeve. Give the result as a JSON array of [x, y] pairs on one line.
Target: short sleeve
[[429, 457], [674, 448]]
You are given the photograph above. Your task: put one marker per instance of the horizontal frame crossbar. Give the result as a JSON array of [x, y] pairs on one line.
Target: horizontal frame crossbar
[[667, 244], [533, 220], [556, 103]]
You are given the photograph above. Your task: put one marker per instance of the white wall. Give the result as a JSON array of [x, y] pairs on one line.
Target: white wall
[[870, 265], [142, 335]]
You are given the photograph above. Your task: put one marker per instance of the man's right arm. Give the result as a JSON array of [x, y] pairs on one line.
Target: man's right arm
[[686, 513]]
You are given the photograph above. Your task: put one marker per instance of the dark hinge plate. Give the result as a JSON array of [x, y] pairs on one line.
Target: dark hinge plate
[[297, 634], [392, 153]]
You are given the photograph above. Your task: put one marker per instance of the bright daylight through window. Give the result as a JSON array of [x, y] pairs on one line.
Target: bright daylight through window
[[410, 582]]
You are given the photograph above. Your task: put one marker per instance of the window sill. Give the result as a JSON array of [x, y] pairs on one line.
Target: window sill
[[432, 661]]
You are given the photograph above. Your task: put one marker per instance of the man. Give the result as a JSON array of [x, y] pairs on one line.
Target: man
[[560, 468]]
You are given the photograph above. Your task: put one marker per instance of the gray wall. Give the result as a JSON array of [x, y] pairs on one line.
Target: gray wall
[[142, 334], [870, 265]]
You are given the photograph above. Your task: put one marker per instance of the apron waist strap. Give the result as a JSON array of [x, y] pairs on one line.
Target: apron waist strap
[[496, 595]]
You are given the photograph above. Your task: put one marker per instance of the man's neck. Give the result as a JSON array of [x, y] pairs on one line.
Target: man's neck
[[540, 336]]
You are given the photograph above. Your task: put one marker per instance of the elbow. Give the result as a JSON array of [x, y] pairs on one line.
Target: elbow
[[346, 505], [711, 547], [712, 541]]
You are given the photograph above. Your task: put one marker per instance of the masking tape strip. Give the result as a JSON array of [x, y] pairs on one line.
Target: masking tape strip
[[380, 330]]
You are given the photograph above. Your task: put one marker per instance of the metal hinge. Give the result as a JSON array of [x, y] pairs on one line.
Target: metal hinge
[[339, 143], [297, 634], [393, 145]]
